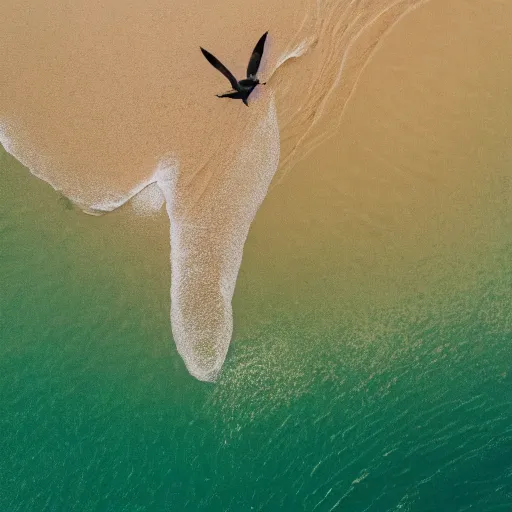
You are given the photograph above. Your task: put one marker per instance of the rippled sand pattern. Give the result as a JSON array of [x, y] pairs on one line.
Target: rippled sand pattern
[[103, 100]]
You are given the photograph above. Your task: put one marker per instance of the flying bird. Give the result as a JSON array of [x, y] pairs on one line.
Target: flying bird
[[241, 89]]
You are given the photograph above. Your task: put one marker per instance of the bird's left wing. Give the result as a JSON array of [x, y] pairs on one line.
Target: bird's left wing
[[217, 64]]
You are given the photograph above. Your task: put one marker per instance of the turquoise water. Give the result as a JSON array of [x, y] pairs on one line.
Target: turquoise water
[[405, 407]]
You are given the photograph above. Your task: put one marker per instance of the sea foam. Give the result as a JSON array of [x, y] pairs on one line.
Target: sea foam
[[207, 240]]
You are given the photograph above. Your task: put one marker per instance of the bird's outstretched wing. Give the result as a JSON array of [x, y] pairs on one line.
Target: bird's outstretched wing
[[257, 53], [217, 64]]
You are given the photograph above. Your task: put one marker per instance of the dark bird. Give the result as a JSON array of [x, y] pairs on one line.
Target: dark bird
[[241, 89]]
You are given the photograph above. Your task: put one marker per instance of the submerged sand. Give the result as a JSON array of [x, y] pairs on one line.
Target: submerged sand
[[102, 100]]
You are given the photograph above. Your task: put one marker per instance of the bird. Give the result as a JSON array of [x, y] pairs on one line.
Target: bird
[[241, 89]]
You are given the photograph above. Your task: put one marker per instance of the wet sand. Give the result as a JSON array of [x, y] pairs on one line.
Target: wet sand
[[412, 192], [392, 153]]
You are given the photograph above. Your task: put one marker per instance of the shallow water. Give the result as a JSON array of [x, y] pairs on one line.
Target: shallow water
[[403, 405], [370, 362]]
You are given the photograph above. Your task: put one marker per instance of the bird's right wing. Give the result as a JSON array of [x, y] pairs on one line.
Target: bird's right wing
[[257, 53], [217, 64]]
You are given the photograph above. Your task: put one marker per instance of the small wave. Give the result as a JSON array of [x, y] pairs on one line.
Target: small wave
[[148, 201], [146, 198], [5, 137], [297, 52]]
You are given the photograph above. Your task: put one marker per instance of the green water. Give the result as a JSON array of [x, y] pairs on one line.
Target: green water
[[405, 407]]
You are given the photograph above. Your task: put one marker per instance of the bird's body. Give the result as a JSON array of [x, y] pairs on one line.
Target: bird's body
[[241, 89]]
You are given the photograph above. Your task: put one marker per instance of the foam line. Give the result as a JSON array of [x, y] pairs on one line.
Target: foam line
[[207, 240], [297, 52]]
